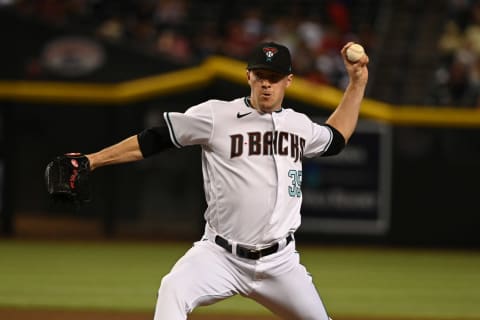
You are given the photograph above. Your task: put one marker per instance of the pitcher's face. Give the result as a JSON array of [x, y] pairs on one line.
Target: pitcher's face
[[267, 89]]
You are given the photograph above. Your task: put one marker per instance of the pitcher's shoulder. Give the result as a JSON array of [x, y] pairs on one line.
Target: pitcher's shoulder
[[227, 104]]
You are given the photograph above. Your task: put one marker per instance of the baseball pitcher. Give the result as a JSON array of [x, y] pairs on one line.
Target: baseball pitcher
[[252, 151]]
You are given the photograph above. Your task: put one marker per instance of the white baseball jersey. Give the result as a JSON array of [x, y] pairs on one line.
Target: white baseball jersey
[[252, 165]]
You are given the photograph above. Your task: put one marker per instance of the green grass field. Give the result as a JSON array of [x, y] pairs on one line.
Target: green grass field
[[352, 281]]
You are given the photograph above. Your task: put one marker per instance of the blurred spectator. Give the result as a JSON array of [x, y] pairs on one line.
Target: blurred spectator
[[459, 11], [282, 30], [304, 62], [457, 79], [472, 30], [338, 11], [174, 46], [112, 29], [311, 32], [170, 12], [253, 25], [237, 43], [451, 39]]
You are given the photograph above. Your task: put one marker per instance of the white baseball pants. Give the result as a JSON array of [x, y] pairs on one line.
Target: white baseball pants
[[207, 273]]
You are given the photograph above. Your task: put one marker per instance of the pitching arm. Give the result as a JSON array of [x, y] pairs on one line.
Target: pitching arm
[[345, 116]]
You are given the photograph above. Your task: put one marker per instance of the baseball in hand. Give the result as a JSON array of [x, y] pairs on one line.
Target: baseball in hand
[[355, 52]]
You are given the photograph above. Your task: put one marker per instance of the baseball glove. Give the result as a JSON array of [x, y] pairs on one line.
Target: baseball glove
[[67, 178]]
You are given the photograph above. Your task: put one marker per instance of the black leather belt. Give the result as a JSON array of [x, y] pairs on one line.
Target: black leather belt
[[247, 253]]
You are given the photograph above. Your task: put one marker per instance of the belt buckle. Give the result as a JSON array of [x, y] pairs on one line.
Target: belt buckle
[[247, 253], [254, 254]]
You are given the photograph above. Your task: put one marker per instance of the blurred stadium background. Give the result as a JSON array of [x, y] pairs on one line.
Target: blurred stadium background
[[78, 75]]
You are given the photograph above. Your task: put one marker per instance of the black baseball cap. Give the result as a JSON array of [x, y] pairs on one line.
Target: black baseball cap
[[271, 56]]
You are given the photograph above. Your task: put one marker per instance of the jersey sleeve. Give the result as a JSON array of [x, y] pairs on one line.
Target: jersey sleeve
[[194, 127], [320, 141]]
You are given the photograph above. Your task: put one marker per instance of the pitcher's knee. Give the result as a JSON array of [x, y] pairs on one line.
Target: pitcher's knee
[[172, 294], [170, 287]]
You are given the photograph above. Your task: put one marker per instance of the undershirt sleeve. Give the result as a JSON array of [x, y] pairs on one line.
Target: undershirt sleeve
[[325, 141], [336, 145], [154, 140]]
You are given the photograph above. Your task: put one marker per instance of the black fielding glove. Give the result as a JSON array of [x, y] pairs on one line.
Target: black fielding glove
[[67, 178]]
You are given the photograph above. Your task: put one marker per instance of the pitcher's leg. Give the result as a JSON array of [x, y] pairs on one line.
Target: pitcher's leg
[[200, 277], [291, 296]]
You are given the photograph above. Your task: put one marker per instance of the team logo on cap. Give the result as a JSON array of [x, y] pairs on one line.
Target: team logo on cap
[[270, 52]]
